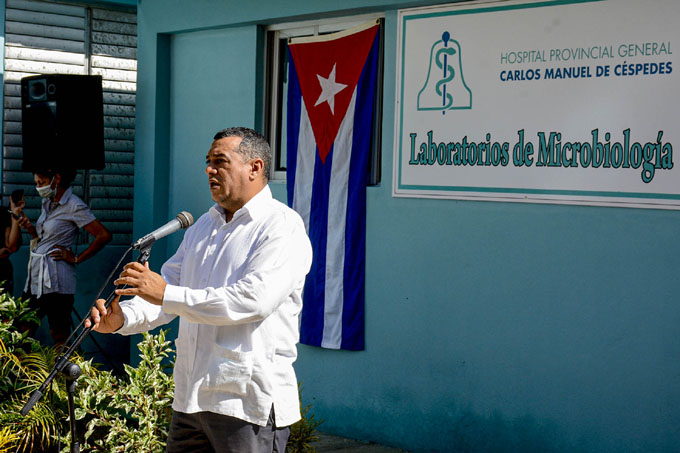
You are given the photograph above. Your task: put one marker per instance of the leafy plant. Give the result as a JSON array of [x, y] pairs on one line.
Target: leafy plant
[[132, 413], [303, 433], [8, 440], [34, 432], [113, 414], [24, 364]]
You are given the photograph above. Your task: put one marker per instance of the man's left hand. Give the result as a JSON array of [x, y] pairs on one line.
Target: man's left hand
[[142, 282]]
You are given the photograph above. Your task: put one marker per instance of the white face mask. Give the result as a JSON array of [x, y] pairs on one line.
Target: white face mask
[[47, 191]]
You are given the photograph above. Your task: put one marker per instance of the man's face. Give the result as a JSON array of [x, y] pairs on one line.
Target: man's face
[[228, 174]]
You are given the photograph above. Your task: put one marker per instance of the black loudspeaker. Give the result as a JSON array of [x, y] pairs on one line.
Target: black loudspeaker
[[62, 122]]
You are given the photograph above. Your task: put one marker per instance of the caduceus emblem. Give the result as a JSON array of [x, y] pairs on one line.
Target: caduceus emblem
[[445, 87]]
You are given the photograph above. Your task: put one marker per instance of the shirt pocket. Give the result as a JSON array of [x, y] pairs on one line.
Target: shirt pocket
[[229, 371]]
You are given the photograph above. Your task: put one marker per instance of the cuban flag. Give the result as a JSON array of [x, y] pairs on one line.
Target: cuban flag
[[331, 94]]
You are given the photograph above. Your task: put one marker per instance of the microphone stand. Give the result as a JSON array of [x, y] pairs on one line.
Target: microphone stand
[[70, 370]]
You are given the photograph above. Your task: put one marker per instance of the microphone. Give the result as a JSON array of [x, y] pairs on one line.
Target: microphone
[[183, 221]]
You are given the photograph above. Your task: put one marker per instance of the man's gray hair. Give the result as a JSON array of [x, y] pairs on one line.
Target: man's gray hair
[[253, 146]]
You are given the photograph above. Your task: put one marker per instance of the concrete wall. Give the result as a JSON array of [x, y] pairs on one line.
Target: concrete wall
[[489, 326]]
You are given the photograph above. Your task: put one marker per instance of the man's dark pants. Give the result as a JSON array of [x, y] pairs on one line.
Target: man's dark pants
[[207, 432]]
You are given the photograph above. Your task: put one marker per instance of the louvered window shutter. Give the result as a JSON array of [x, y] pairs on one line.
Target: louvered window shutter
[[54, 38]]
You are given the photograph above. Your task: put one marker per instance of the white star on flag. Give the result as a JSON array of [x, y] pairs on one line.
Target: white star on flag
[[329, 88]]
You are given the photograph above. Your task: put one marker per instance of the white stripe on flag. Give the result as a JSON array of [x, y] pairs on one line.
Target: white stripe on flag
[[337, 216], [304, 170]]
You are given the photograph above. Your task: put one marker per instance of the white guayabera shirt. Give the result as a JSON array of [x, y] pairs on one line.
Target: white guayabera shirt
[[237, 289]]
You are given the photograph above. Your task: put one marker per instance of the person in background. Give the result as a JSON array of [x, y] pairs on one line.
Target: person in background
[[9, 225], [235, 283], [51, 281]]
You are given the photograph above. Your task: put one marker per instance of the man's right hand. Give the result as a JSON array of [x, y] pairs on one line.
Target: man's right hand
[[106, 320]]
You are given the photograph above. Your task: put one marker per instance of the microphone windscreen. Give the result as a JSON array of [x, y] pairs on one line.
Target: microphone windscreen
[[185, 219]]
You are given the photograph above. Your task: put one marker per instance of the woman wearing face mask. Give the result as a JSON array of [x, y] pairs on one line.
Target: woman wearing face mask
[[51, 281]]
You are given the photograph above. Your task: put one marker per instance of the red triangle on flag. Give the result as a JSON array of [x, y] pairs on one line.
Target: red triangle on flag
[[328, 69]]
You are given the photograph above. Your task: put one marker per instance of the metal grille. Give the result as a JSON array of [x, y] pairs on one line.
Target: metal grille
[[54, 38]]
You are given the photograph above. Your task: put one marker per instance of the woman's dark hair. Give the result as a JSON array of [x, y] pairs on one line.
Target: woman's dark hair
[[67, 175]]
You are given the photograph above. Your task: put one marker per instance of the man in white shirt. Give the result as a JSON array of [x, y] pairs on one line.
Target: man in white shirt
[[236, 283]]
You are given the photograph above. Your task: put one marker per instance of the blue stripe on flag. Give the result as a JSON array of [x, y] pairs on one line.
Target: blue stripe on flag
[[355, 239], [293, 127]]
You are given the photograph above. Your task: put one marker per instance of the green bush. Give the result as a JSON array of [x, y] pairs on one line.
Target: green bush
[[113, 414], [7, 440], [24, 365], [132, 413], [303, 433]]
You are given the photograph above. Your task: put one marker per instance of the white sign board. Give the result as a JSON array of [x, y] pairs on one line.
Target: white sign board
[[566, 101]]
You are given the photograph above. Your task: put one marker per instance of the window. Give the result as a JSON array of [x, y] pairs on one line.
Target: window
[[276, 88]]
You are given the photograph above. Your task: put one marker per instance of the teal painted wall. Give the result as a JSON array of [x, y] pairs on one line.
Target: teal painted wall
[[490, 326], [198, 110]]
